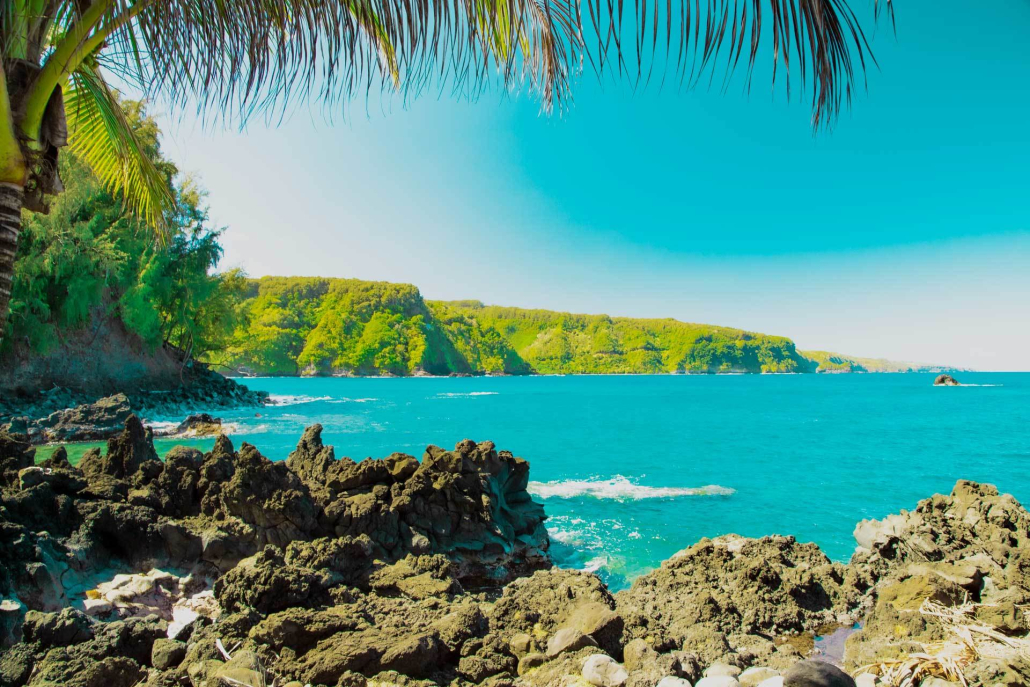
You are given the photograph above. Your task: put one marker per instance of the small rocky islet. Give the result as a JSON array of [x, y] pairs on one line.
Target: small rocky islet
[[227, 568]]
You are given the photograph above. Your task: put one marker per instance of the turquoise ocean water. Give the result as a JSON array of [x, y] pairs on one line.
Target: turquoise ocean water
[[632, 469]]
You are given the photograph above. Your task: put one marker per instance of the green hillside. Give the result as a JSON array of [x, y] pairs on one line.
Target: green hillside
[[556, 342], [835, 362], [315, 326]]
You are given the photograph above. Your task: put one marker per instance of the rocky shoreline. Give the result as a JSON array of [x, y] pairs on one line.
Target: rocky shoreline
[[227, 568], [65, 415]]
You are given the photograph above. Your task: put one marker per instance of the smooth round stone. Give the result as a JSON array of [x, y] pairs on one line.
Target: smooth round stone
[[816, 674], [772, 682], [671, 681], [720, 669], [718, 681], [869, 680], [604, 671], [752, 677]]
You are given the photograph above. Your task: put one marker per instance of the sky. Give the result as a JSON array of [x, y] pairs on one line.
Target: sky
[[903, 232]]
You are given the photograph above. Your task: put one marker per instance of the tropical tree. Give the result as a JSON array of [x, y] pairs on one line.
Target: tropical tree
[[235, 58]]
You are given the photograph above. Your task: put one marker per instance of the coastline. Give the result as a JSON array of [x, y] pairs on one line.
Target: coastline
[[408, 572]]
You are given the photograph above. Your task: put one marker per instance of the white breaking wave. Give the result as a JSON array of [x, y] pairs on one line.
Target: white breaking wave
[[619, 488], [288, 400], [354, 400], [470, 393]]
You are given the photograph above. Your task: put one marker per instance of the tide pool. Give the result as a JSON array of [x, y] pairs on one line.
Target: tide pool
[[633, 469]]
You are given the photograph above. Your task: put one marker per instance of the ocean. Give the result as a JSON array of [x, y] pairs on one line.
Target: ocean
[[632, 469]]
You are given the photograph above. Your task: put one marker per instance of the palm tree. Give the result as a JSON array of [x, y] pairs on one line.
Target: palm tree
[[239, 57]]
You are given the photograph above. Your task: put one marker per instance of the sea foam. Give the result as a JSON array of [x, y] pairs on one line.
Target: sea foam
[[618, 488], [467, 394], [289, 400]]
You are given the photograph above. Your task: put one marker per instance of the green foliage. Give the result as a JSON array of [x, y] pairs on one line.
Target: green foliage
[[347, 326], [824, 361], [300, 325], [90, 260], [563, 343]]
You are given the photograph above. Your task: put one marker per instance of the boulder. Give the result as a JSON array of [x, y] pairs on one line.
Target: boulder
[[671, 681], [753, 677], [244, 669], [88, 422], [568, 639], [199, 425], [816, 674], [595, 619], [167, 653], [12, 614], [49, 630], [945, 380], [638, 654], [531, 661], [16, 454], [718, 681], [731, 584], [127, 453], [720, 669], [602, 670]]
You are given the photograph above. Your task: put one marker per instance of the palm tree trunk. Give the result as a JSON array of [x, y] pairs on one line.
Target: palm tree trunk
[[12, 197]]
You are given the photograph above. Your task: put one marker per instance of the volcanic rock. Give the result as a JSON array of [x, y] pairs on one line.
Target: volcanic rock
[[88, 422]]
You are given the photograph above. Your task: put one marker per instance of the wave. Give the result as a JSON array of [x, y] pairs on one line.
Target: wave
[[353, 400], [620, 489], [468, 394], [289, 400]]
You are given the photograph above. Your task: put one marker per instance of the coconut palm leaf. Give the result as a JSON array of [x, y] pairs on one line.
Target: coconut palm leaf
[[100, 135]]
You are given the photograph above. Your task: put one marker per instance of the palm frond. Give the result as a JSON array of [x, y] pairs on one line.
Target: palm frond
[[100, 134], [248, 56]]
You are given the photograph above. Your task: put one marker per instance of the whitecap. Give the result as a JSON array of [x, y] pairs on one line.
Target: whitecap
[[618, 488], [353, 400], [289, 400], [467, 394]]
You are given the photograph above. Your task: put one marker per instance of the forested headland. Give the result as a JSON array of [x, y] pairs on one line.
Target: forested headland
[[102, 302], [315, 326]]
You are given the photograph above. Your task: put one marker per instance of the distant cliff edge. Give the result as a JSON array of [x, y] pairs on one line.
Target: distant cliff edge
[[324, 327]]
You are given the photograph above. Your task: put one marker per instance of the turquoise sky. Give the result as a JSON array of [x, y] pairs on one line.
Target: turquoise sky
[[904, 232]]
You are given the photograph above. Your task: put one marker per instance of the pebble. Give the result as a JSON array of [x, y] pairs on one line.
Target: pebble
[[604, 671]]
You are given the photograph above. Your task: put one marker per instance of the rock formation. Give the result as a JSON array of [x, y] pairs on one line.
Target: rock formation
[[945, 380], [406, 572]]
